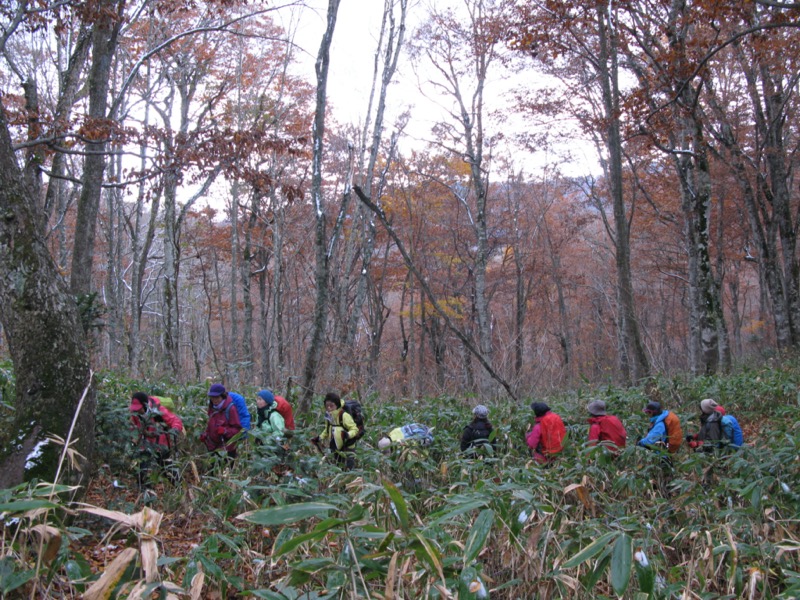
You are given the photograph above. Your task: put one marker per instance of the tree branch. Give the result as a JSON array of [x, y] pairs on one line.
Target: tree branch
[[429, 293]]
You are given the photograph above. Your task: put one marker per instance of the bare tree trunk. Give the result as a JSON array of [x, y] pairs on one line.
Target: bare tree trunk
[[232, 343], [172, 261], [247, 303], [394, 43], [45, 339], [321, 274], [634, 363], [104, 44]]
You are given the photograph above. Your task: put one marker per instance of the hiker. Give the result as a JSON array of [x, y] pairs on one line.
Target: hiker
[[157, 430], [546, 439], [267, 399], [223, 421], [605, 428], [217, 389], [477, 433], [270, 420], [665, 429], [717, 429], [411, 434], [340, 434]]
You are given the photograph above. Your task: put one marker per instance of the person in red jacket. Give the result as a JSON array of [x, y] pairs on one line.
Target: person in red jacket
[[223, 422], [156, 431], [546, 439], [265, 400], [605, 428]]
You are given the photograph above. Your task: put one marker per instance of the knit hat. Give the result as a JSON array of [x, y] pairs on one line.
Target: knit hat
[[539, 408], [708, 406], [216, 389], [480, 411], [266, 396], [596, 408], [653, 407], [384, 443]]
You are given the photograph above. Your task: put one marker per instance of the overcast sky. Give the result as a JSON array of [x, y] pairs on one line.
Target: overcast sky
[[351, 66]]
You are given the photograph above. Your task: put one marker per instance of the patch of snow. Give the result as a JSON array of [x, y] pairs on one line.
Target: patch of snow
[[32, 460]]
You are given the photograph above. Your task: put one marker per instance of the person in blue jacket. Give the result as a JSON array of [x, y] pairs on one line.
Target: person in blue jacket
[[665, 429], [217, 390]]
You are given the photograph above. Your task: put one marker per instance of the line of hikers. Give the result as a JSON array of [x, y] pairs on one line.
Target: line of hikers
[[157, 429], [717, 430]]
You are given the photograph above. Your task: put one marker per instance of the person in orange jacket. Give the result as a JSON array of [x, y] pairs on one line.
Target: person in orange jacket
[[546, 439]]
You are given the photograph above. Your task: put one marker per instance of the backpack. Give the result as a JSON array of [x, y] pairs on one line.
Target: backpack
[[353, 408], [241, 409], [418, 433], [711, 431], [553, 432], [674, 432], [166, 402]]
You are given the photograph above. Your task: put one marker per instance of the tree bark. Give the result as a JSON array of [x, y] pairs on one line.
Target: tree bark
[[322, 269], [104, 44], [633, 359], [45, 338]]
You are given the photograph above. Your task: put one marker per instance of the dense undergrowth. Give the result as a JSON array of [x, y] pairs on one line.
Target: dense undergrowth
[[432, 524]]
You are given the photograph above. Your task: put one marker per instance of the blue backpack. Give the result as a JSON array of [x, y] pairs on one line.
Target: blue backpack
[[241, 409], [416, 432]]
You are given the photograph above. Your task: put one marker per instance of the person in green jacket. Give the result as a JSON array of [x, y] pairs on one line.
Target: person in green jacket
[[270, 420]]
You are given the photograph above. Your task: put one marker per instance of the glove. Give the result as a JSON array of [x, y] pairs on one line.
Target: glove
[[220, 431], [690, 438], [693, 443], [345, 436], [315, 440]]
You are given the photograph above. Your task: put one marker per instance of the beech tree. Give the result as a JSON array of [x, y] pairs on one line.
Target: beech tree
[[463, 54], [579, 42], [45, 338], [322, 239], [754, 137]]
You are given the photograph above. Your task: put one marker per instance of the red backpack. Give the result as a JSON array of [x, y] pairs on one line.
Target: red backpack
[[553, 432], [611, 430]]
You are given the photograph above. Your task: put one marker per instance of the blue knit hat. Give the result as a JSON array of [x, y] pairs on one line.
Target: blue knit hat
[[266, 396]]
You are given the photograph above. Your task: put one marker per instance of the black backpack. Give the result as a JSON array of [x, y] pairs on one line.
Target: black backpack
[[711, 430], [353, 408]]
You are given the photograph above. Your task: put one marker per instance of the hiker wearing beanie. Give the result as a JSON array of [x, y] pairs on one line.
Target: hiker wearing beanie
[[665, 429], [546, 439], [605, 428], [267, 401], [478, 432], [717, 429], [223, 421]]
